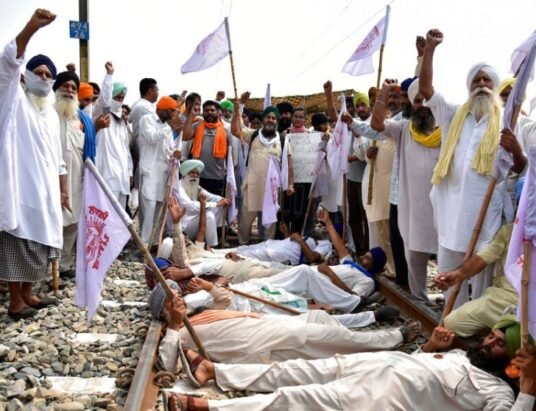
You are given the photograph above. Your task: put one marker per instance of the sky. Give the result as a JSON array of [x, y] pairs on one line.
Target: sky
[[296, 45]]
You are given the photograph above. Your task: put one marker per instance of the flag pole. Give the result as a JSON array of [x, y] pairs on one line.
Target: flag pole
[[374, 142], [231, 56], [476, 230], [263, 300], [164, 205], [527, 251], [150, 262]]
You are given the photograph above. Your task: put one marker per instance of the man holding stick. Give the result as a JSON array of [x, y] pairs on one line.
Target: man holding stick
[[470, 138]]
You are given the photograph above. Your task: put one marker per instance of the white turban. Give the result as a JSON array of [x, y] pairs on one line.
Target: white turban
[[486, 68], [413, 90], [190, 165]]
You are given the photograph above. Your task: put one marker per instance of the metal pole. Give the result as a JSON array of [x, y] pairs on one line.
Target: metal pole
[[84, 44]]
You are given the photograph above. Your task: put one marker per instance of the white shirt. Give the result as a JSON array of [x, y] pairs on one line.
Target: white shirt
[[30, 160], [282, 250], [156, 145], [113, 159], [193, 206], [457, 199], [140, 108], [358, 282]]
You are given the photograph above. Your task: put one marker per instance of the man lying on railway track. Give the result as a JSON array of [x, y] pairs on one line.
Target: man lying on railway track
[[424, 380], [344, 286], [236, 337]]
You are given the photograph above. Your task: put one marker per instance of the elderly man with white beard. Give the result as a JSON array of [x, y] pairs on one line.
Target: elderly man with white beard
[[471, 136], [77, 135], [32, 171], [188, 197], [114, 160]]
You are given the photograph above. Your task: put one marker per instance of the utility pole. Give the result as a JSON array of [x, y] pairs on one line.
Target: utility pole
[[84, 46]]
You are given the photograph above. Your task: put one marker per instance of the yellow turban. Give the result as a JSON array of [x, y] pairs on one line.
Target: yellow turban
[[505, 83], [361, 98]]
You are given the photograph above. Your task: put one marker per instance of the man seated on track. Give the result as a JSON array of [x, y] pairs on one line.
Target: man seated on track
[[454, 380]]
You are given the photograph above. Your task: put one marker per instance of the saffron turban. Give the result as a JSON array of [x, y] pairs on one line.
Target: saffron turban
[[85, 91], [378, 259], [227, 105], [190, 165], [118, 89], [158, 296], [64, 77], [39, 60], [413, 90], [271, 109], [166, 103], [486, 68], [361, 98]]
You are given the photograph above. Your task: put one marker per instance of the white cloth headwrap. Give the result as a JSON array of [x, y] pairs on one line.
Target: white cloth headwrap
[[413, 90], [486, 68]]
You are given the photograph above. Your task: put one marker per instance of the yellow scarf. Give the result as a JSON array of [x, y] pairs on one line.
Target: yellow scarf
[[485, 155], [431, 140]]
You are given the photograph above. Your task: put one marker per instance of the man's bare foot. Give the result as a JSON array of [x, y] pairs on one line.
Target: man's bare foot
[[204, 371], [410, 331]]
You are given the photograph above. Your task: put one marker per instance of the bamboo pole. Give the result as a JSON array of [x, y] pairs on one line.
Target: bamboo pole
[[165, 204], [264, 301], [527, 251], [55, 276], [374, 143], [143, 249]]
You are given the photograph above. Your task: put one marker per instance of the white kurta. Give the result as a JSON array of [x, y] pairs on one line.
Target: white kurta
[[140, 109], [72, 145], [156, 144], [113, 159], [30, 160], [370, 382], [458, 197]]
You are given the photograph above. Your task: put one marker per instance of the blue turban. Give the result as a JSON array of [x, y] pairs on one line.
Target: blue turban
[[64, 77], [378, 259], [406, 83], [39, 60]]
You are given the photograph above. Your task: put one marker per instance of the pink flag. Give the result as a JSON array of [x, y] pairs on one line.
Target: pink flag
[[270, 204], [338, 145], [102, 234], [231, 187], [361, 61], [525, 230], [268, 96], [212, 49]]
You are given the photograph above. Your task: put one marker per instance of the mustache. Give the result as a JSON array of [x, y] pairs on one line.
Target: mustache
[[479, 90]]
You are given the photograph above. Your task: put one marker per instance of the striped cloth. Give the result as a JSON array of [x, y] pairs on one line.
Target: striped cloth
[[24, 260]]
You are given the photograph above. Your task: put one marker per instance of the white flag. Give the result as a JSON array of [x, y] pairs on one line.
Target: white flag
[[270, 204], [231, 188], [212, 49], [102, 234], [338, 146], [521, 53], [361, 60], [268, 96]]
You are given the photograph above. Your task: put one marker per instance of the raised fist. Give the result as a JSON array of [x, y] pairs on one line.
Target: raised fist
[[328, 87], [390, 84], [109, 67], [420, 43], [41, 18], [434, 37]]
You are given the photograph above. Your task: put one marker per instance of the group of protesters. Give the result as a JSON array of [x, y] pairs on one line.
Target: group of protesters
[[418, 168]]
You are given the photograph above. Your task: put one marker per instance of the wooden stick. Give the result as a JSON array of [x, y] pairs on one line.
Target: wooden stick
[[374, 143], [55, 276], [527, 251], [143, 249], [231, 57], [309, 204], [224, 217], [344, 208], [264, 301]]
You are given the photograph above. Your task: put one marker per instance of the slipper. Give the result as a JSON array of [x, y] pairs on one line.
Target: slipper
[[44, 302], [190, 367], [26, 312], [405, 331], [172, 403]]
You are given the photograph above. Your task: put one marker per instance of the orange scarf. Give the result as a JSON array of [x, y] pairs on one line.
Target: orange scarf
[[220, 140]]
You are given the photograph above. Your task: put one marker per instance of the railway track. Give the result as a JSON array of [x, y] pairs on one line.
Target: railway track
[[144, 389]]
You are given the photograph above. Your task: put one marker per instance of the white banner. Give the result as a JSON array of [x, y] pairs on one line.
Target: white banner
[[304, 148]]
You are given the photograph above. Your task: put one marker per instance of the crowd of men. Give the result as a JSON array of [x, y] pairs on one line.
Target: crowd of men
[[431, 163]]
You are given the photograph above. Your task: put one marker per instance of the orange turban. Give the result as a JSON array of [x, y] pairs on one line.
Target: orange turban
[[167, 103], [85, 91]]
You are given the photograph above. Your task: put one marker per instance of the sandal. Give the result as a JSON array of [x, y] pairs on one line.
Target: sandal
[[190, 367], [406, 332], [26, 312], [44, 302], [173, 403]]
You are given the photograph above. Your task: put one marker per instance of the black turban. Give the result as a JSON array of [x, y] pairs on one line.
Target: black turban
[[64, 77]]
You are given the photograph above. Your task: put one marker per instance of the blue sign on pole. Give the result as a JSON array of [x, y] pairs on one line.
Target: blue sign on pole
[[79, 30]]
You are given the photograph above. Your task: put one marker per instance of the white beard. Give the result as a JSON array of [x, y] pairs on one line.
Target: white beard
[[67, 108], [482, 104], [191, 188], [39, 102]]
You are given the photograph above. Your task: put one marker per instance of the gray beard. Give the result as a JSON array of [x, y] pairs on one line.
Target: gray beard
[[67, 108], [191, 188], [481, 104], [39, 102]]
